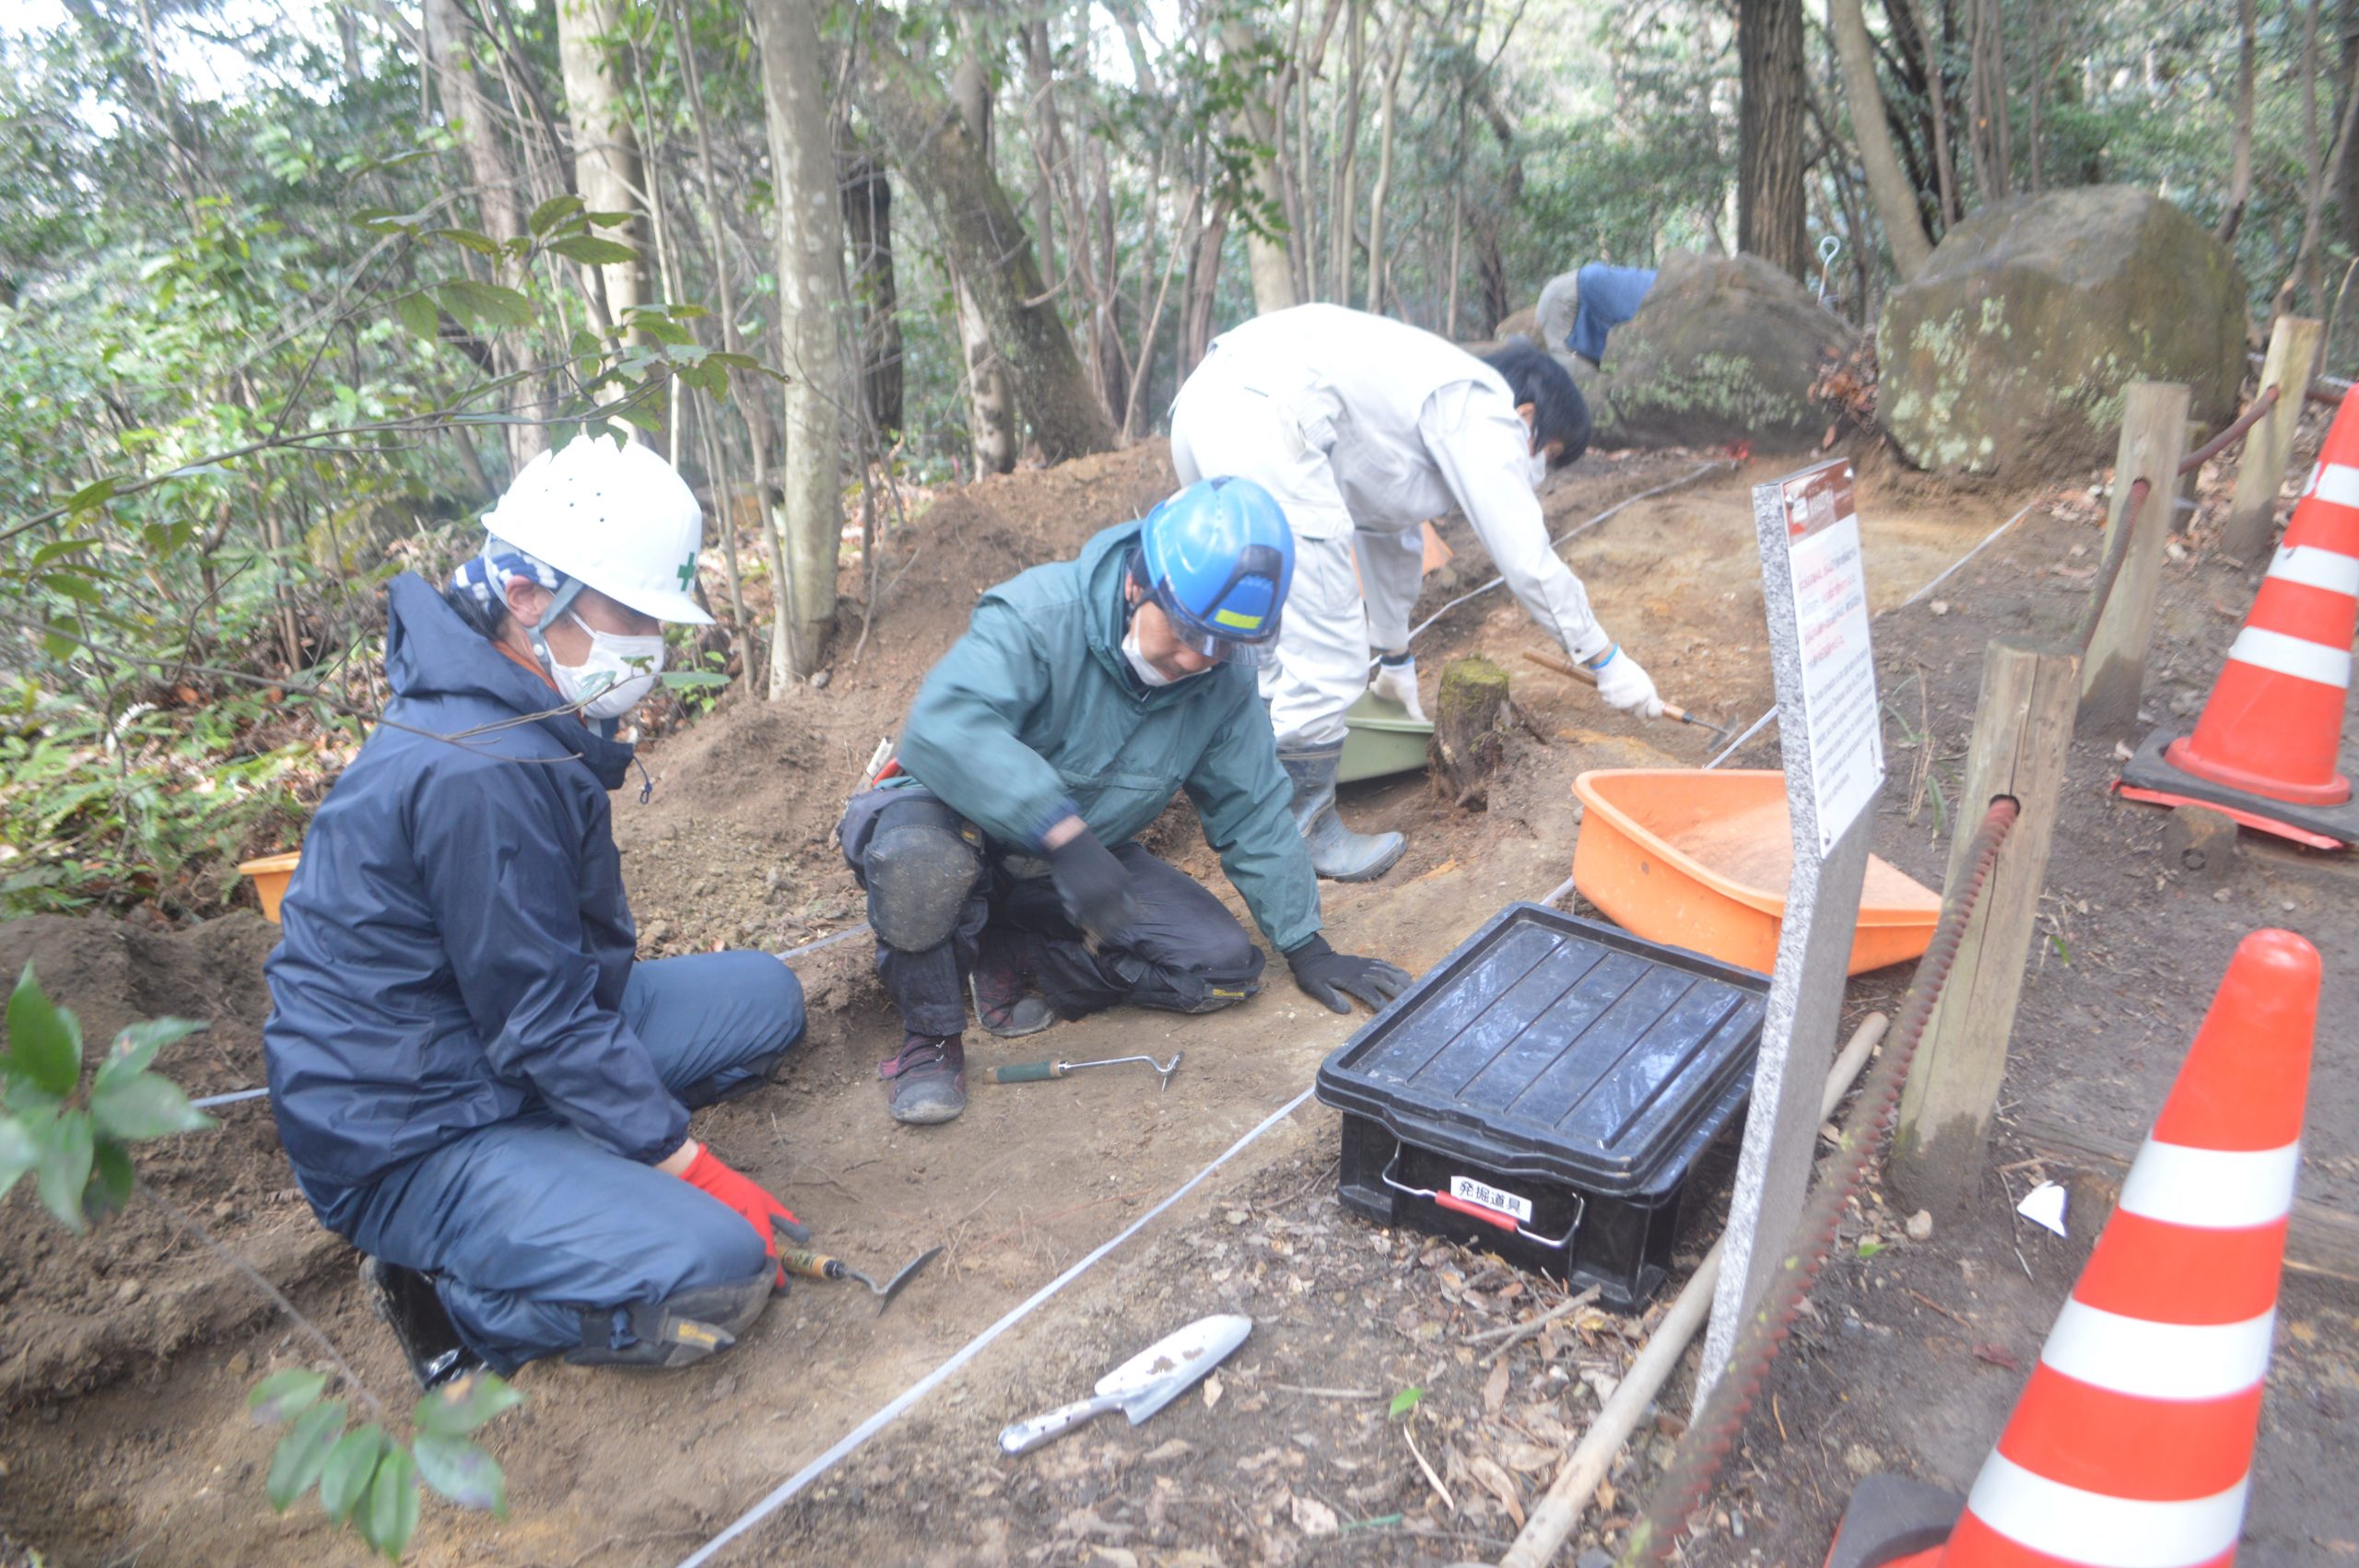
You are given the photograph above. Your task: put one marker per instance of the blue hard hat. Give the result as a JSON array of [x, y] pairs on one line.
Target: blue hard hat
[[1217, 558]]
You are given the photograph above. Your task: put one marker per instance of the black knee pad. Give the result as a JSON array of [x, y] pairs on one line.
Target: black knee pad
[[681, 1330], [922, 863]]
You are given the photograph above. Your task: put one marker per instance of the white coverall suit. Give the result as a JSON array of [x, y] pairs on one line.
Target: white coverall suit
[[1362, 427]]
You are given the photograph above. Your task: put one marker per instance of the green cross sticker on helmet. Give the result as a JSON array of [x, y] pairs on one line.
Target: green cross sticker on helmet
[[613, 515], [1218, 558]]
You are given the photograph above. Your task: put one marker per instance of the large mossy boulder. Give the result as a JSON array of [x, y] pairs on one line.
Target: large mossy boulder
[[2009, 353], [1725, 349]]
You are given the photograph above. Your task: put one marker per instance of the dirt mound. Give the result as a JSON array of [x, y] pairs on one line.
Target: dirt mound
[[85, 1311], [733, 846], [979, 536]]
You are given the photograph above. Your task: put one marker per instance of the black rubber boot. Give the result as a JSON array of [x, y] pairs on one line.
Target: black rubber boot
[[1336, 853], [1005, 1002], [925, 1084], [405, 1302], [679, 1330]]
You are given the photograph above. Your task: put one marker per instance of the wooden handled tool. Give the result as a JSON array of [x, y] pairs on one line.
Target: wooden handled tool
[[1588, 678], [814, 1265]]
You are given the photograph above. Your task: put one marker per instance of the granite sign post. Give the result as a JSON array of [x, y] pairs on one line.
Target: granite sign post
[[1832, 739]]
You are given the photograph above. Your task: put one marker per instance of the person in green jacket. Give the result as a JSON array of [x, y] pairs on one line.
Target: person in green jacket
[[1083, 696]]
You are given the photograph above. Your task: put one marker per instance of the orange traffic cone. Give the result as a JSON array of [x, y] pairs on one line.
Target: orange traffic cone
[[2131, 1445], [2264, 751]]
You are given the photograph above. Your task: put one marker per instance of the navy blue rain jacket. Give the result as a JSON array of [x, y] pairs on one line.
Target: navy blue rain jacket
[[455, 939]]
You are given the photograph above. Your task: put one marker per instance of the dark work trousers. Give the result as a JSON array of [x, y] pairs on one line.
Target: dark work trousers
[[524, 1223], [1187, 954]]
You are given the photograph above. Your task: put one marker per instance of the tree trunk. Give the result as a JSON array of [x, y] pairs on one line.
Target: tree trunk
[[1344, 155], [1388, 105], [2346, 194], [606, 151], [984, 239], [1987, 103], [2240, 171], [753, 405], [991, 404], [1265, 232], [2322, 181], [1895, 199], [1199, 326], [1047, 140], [868, 226], [1926, 52], [1772, 218], [497, 194], [810, 300]]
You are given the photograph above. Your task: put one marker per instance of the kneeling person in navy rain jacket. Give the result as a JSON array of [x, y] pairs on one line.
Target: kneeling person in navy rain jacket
[[477, 1082], [1083, 696]]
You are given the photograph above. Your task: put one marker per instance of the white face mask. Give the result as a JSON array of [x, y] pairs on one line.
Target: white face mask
[[617, 676], [1539, 468], [1146, 672]]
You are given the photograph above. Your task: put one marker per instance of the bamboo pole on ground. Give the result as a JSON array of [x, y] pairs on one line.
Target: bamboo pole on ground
[[1552, 1518]]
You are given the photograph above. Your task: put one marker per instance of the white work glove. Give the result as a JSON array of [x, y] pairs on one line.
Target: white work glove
[[1624, 684], [1397, 683]]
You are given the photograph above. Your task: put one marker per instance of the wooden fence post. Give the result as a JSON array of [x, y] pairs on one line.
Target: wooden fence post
[[2293, 350], [2022, 730], [2113, 672]]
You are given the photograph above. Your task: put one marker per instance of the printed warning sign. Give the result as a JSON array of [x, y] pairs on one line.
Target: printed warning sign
[[1829, 606]]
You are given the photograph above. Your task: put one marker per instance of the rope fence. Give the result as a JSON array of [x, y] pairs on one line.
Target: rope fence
[[2232, 434], [2110, 568], [1696, 1465]]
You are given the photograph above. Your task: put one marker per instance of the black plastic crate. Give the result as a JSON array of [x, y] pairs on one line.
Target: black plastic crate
[[1544, 1091]]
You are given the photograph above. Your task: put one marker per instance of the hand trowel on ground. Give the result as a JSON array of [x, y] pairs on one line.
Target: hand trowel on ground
[[1140, 1385]]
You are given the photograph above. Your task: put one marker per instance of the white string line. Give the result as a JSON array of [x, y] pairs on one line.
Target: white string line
[[1567, 537], [1968, 556], [867, 1429], [1755, 728]]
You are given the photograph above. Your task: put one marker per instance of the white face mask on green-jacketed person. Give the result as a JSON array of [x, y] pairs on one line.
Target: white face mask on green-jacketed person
[[1147, 673]]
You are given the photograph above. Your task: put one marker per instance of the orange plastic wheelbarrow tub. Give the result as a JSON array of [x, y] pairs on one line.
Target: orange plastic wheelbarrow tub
[[271, 874], [1701, 860]]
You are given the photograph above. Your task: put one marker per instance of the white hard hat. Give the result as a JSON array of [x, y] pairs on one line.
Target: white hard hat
[[618, 518]]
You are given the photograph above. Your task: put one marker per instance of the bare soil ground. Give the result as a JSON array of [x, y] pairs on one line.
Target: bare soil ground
[[125, 1439]]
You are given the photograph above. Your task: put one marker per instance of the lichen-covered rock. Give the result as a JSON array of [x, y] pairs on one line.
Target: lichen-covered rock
[[1725, 349], [1517, 323], [2009, 353]]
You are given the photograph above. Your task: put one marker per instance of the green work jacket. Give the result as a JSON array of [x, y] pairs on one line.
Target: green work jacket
[[1034, 715]]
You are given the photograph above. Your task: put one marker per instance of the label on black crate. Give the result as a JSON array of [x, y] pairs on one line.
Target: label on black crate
[[1468, 1189]]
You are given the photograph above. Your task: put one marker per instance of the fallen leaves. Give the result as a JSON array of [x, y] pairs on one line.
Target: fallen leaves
[[1313, 1517], [1495, 1480]]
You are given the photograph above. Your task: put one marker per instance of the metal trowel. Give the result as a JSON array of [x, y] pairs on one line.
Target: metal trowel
[[1142, 1385]]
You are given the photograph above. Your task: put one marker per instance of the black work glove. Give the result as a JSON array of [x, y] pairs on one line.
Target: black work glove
[[1326, 974], [1094, 886]]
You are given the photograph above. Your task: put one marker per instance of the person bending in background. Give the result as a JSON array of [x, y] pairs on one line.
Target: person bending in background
[[1578, 310], [477, 1082], [1362, 427], [1082, 697]]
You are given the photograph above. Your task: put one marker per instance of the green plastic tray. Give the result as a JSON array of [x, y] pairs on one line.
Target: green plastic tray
[[1382, 739]]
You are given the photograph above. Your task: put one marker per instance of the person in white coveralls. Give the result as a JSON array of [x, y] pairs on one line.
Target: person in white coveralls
[[1362, 427]]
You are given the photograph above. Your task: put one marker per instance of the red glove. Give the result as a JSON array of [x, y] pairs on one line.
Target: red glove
[[764, 1213]]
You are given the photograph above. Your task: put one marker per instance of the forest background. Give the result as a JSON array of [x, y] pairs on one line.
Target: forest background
[[288, 294]]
